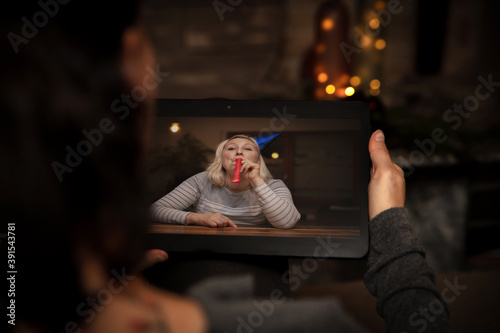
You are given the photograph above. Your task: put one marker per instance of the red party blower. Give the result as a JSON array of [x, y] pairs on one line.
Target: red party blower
[[237, 167]]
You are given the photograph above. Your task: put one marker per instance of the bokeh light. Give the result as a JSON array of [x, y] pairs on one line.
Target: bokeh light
[[380, 44], [175, 127], [355, 81], [375, 84], [327, 24], [374, 24], [322, 77], [349, 91]]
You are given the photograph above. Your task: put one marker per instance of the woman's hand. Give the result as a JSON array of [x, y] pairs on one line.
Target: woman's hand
[[251, 171], [215, 220], [387, 185]]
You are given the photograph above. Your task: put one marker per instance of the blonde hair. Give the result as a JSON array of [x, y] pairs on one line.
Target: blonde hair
[[216, 172]]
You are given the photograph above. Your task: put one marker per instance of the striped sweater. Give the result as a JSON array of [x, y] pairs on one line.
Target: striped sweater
[[269, 201]]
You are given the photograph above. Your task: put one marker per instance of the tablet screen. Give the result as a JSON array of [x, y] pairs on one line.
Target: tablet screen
[[320, 154]]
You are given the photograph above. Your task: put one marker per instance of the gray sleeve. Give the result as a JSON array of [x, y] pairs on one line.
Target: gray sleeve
[[230, 307], [171, 207], [399, 276], [277, 204]]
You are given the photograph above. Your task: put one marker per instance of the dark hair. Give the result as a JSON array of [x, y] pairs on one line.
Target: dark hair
[[57, 88]]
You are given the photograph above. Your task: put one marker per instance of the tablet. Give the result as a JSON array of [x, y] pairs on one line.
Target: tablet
[[321, 154]]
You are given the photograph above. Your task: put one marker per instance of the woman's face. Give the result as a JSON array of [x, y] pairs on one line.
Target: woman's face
[[238, 147]]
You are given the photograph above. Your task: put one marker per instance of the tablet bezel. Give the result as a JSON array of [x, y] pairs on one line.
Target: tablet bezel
[[297, 246]]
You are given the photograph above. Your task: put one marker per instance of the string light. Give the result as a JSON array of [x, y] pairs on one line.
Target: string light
[[375, 84], [355, 81], [374, 23], [327, 24], [330, 89], [175, 127], [380, 44], [349, 91], [322, 77], [365, 41], [275, 155]]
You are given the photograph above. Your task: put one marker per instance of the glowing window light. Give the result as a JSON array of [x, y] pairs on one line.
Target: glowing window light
[[355, 81], [330, 89], [322, 77], [375, 84], [380, 44], [349, 91], [374, 92], [175, 127], [327, 24], [374, 23], [275, 155]]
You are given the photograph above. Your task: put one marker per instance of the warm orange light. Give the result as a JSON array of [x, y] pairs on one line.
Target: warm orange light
[[380, 44], [374, 92], [343, 79], [319, 93], [320, 48], [330, 89], [379, 5], [175, 127], [322, 77], [355, 81], [327, 24], [375, 84], [319, 69], [275, 155], [349, 91], [365, 41], [374, 23]]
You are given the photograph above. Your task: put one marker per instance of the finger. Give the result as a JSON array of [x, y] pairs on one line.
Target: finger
[[245, 167], [378, 151], [152, 257], [399, 170], [231, 223]]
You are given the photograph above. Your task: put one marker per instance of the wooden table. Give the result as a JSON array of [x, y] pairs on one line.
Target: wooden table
[[336, 232]]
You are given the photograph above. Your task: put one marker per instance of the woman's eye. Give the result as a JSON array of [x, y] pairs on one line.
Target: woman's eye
[[230, 148]]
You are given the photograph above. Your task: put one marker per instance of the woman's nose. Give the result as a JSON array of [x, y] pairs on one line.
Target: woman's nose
[[239, 152]]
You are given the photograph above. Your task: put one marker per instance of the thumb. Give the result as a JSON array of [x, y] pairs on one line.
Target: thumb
[[378, 151]]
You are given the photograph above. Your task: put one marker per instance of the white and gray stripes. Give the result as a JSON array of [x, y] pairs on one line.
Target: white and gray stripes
[[272, 202]]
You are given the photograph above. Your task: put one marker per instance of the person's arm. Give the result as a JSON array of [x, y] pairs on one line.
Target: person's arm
[[275, 199], [277, 204], [398, 274], [171, 207]]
